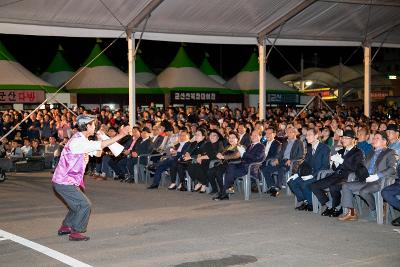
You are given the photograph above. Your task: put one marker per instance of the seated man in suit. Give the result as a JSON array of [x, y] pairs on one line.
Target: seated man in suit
[[244, 137], [347, 160], [391, 194], [381, 164], [254, 153], [144, 147], [157, 138], [118, 164], [292, 151], [272, 149], [170, 162], [317, 158]]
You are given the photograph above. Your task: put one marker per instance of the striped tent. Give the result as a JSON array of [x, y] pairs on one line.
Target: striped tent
[[100, 77], [14, 76], [59, 71]]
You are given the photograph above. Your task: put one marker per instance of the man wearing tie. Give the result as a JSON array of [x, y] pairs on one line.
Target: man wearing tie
[[170, 162], [254, 153], [347, 160], [292, 151], [317, 158], [381, 164]]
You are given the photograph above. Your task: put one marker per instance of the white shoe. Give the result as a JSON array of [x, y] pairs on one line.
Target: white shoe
[[171, 186]]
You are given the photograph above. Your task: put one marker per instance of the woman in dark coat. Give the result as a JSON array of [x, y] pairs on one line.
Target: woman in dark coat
[[183, 163], [232, 152], [198, 169]]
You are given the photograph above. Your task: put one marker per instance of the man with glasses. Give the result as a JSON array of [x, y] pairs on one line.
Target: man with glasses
[[381, 164], [346, 161]]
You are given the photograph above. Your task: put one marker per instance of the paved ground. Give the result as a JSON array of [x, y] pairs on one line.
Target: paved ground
[[132, 226]]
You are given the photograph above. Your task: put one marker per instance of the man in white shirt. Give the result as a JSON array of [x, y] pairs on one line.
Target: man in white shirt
[[68, 176]]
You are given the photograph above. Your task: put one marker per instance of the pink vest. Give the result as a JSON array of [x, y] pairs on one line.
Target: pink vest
[[71, 167]]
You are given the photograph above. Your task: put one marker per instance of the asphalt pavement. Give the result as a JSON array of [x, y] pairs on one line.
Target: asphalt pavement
[[133, 226]]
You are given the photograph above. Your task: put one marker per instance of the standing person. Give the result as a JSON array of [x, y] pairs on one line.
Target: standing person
[[68, 176]]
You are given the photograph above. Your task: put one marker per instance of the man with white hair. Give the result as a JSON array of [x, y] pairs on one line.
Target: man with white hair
[[68, 176]]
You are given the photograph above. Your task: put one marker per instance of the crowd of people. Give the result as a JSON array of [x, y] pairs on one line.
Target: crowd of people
[[337, 151]]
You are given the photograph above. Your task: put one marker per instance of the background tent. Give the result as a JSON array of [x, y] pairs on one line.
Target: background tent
[[13, 76], [207, 69], [101, 76], [183, 73], [183, 76], [59, 71], [247, 80], [143, 72]]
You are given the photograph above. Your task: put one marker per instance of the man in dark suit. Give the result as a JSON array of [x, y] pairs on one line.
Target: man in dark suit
[[144, 147], [254, 153], [347, 160], [157, 138], [391, 193], [291, 152], [381, 164], [317, 158], [170, 163], [118, 164], [244, 137], [272, 149]]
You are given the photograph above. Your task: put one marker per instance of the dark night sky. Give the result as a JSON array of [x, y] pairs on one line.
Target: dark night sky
[[36, 52]]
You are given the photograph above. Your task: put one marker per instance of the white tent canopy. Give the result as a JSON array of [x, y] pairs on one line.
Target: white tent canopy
[[306, 22], [288, 22]]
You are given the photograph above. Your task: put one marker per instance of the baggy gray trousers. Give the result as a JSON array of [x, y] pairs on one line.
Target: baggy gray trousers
[[78, 204], [365, 190]]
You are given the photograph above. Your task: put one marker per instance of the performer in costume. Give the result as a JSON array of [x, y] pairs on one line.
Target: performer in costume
[[68, 176]]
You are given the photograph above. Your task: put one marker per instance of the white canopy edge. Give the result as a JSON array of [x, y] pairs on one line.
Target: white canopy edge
[[41, 30]]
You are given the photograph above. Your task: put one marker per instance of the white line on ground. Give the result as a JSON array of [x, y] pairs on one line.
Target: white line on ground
[[2, 238], [42, 249]]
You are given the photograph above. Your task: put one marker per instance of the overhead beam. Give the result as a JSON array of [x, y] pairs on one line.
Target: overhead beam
[[376, 34], [392, 3], [285, 17], [146, 10]]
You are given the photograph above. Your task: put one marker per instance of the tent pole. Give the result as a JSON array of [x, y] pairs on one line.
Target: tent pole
[[131, 78], [261, 83], [367, 79]]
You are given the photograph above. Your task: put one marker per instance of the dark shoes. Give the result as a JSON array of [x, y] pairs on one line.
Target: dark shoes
[[336, 212], [76, 236], [327, 212], [153, 186], [273, 192], [221, 197], [305, 206], [396, 222], [332, 212], [64, 230]]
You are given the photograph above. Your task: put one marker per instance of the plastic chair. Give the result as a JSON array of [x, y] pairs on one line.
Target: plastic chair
[[246, 179]]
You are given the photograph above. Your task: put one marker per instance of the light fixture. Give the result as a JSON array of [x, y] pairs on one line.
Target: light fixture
[[392, 77], [309, 83]]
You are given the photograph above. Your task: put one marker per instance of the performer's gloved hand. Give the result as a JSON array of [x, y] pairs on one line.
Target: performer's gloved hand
[[372, 178]]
